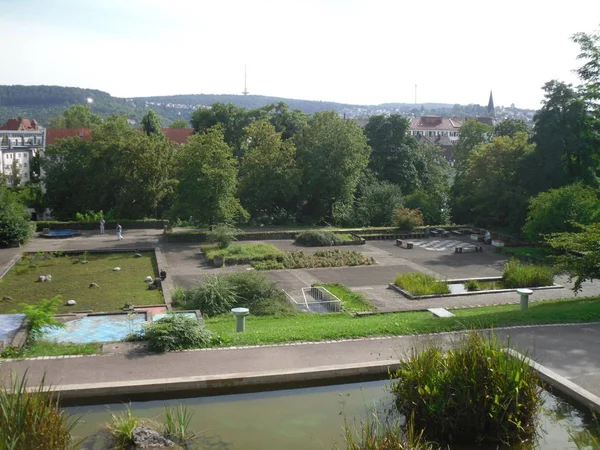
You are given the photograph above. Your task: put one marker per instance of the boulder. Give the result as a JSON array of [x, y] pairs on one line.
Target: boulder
[[48, 277], [144, 437], [138, 255], [93, 285], [149, 279], [41, 278], [116, 269], [7, 298], [71, 302]]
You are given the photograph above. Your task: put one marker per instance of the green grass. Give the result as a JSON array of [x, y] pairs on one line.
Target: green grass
[[71, 281], [46, 348], [421, 284], [518, 275], [312, 327], [250, 251], [351, 301], [535, 253]]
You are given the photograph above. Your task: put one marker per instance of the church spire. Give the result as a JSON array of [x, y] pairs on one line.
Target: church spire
[[490, 108]]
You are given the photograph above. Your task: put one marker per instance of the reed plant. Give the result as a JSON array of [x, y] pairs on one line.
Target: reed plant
[[121, 426], [31, 419], [177, 424], [421, 284], [519, 275], [472, 285], [474, 393]]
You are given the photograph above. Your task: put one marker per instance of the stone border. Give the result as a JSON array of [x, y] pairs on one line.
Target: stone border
[[561, 384], [12, 263], [409, 296], [161, 263]]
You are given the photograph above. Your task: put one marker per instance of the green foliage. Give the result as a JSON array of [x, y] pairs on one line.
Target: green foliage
[[316, 238], [325, 258], [473, 133], [41, 315], [223, 234], [432, 206], [421, 284], [93, 216], [557, 210], [177, 424], [121, 427], [81, 116], [46, 348], [151, 123], [351, 301], [208, 179], [244, 253], [332, 154], [473, 393], [32, 419], [519, 275], [407, 219], [179, 123], [269, 264], [581, 257], [177, 332], [472, 285], [377, 203], [15, 226], [510, 127], [216, 295]]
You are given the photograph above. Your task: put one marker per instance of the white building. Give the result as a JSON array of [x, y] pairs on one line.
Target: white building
[[21, 140]]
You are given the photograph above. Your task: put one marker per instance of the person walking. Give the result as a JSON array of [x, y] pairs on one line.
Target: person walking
[[102, 226], [119, 232]]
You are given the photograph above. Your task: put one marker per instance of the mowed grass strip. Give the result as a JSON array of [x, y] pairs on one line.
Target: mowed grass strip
[[250, 251], [320, 327], [46, 348], [72, 280]]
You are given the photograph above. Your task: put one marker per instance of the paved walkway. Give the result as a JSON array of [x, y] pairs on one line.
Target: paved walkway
[[570, 350]]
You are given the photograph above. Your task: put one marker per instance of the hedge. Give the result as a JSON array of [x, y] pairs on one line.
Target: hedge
[[125, 223]]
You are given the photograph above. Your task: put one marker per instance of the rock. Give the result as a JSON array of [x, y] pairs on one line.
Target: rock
[[144, 437], [93, 285], [41, 279], [71, 302], [7, 298], [48, 277], [149, 279], [116, 269], [138, 255]]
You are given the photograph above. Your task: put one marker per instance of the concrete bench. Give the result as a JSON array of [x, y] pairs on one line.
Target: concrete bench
[[468, 248], [434, 233], [444, 233], [440, 312], [404, 244], [456, 232]]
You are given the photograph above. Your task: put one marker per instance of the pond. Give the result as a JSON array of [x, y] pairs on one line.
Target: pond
[[301, 419]]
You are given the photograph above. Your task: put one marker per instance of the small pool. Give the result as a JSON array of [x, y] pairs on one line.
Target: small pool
[[61, 234], [101, 328]]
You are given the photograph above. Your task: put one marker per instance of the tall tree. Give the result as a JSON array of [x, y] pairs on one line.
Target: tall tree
[[151, 123], [510, 127], [332, 154], [179, 123], [472, 134], [286, 122], [81, 116], [15, 226], [269, 176], [207, 179], [589, 73]]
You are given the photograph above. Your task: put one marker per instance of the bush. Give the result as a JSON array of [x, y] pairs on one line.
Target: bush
[[177, 332], [518, 275], [421, 284], [244, 253], [325, 258], [318, 238], [223, 234], [15, 227], [475, 392], [407, 219], [269, 264], [41, 315], [472, 285], [214, 296], [33, 419], [260, 295]]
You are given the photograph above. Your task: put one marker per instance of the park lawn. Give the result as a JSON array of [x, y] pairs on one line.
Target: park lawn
[[320, 327], [71, 280], [250, 251], [47, 348], [351, 301]]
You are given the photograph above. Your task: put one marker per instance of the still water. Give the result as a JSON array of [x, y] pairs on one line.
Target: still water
[[300, 419]]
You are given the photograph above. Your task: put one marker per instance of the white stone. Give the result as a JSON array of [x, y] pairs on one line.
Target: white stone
[[116, 269], [41, 278], [48, 277], [71, 302], [149, 279]]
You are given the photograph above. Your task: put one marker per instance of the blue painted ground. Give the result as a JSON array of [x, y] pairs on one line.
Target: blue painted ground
[[156, 317], [108, 328], [9, 325]]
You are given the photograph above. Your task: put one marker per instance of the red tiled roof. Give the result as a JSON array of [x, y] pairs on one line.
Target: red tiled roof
[[20, 124], [434, 123], [179, 135], [53, 134]]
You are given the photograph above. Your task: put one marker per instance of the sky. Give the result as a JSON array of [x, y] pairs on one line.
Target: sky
[[347, 51]]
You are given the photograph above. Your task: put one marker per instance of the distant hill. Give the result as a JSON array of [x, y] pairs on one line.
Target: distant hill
[[43, 102]]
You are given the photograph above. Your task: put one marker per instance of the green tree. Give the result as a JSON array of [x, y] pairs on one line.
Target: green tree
[[473, 133], [286, 122], [589, 73], [80, 116], [557, 210], [179, 123], [151, 123], [377, 204], [433, 207], [15, 226], [332, 154], [510, 127], [269, 177], [394, 157], [57, 122], [207, 179]]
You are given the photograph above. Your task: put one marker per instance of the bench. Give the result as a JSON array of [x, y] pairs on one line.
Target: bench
[[468, 248], [444, 233], [434, 233], [440, 312], [407, 245], [456, 232]]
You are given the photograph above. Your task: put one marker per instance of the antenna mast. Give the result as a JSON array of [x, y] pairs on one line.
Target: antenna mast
[[245, 86]]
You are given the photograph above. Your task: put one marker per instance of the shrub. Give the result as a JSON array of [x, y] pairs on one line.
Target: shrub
[[475, 392], [325, 258], [15, 226], [121, 427], [407, 219], [33, 419], [315, 238], [261, 295], [472, 285], [421, 284], [214, 296], [177, 332], [223, 234], [518, 275], [41, 315], [269, 264], [242, 253]]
